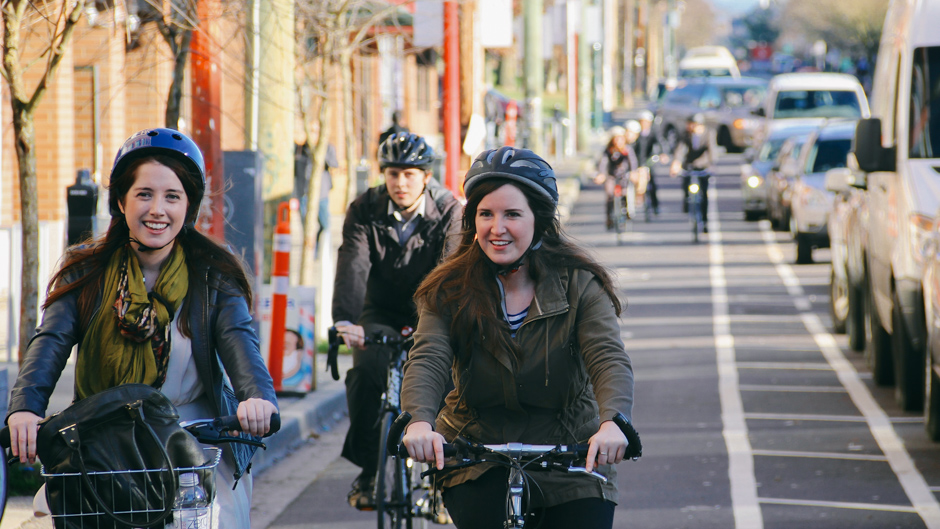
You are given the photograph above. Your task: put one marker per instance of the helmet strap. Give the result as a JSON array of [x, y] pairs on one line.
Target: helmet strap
[[504, 270]]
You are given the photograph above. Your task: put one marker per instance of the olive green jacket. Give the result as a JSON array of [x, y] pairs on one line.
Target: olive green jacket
[[574, 374]]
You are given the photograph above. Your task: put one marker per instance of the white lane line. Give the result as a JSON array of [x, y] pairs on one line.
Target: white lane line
[[839, 505], [795, 366], [792, 389], [826, 418], [819, 455], [744, 502], [913, 483]]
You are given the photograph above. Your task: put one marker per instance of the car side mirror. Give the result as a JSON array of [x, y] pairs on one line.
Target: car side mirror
[[759, 111], [869, 152], [837, 180]]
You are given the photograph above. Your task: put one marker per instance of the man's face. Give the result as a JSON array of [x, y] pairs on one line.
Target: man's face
[[405, 186]]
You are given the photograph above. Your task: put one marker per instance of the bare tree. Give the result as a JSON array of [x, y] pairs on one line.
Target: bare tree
[[850, 26], [338, 29], [58, 20], [175, 20], [697, 25]]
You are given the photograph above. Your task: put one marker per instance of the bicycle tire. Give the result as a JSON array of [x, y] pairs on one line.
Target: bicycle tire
[[4, 484], [393, 501]]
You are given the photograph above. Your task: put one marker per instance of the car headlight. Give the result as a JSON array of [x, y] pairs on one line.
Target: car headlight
[[754, 181], [920, 227], [745, 123]]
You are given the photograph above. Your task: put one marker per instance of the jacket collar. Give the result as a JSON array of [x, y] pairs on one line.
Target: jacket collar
[[550, 294]]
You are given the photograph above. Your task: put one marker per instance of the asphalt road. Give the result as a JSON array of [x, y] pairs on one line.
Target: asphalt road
[[752, 414]]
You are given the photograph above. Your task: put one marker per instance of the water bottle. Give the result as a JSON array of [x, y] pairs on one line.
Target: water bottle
[[191, 508]]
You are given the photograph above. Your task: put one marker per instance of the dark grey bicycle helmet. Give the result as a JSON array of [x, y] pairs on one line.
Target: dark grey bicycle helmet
[[168, 142], [405, 150], [521, 165]]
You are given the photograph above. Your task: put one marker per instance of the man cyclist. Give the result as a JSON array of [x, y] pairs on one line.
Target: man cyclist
[[644, 152], [693, 154], [393, 235]]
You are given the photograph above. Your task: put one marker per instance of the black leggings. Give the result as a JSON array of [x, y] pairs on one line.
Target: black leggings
[[480, 504]]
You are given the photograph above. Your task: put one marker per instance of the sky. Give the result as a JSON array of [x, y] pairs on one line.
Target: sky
[[734, 7]]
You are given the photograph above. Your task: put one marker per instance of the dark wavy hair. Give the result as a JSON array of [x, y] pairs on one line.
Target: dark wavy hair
[[463, 288], [89, 261]]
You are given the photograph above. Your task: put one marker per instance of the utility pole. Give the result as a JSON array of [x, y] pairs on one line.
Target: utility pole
[[571, 74], [452, 94], [584, 79], [207, 114], [628, 52], [534, 72]]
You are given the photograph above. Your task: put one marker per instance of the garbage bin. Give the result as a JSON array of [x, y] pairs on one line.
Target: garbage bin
[[82, 203], [362, 177]]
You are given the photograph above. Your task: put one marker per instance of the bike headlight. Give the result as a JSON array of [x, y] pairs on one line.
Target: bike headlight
[[754, 181], [693, 188], [920, 228]]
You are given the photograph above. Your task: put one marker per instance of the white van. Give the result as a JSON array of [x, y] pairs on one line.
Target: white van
[[899, 149], [709, 61]]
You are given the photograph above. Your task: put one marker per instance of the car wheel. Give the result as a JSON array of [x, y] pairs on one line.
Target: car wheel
[[908, 362], [877, 345], [783, 219], [932, 398], [855, 320], [751, 215], [804, 249], [838, 302]]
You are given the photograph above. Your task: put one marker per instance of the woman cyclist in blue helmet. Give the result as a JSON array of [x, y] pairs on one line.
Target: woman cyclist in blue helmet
[[529, 323], [154, 301]]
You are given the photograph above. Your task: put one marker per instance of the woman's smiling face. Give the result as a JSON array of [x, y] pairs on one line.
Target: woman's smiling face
[[505, 224], [155, 207]]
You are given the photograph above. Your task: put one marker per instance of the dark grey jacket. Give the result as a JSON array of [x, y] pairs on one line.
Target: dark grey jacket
[[223, 342], [376, 277]]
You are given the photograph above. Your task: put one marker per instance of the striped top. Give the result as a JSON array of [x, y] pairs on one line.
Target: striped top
[[515, 321]]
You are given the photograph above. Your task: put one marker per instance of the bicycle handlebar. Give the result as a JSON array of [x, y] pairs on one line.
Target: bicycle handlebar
[[334, 339], [462, 446]]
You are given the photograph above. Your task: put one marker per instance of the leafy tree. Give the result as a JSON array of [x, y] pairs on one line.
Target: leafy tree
[[56, 22]]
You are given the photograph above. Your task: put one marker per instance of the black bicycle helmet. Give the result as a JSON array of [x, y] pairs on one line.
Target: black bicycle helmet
[[405, 150], [521, 165], [168, 142]]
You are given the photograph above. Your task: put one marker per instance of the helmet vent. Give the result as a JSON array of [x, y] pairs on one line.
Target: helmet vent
[[478, 163], [152, 133], [507, 155], [177, 137], [525, 163]]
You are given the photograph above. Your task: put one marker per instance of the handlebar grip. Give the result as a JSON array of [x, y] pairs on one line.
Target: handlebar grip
[[395, 432], [5, 437], [332, 352], [634, 446], [231, 423]]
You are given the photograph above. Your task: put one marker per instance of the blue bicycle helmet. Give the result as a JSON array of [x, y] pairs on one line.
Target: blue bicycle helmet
[[521, 165], [167, 142], [405, 150]]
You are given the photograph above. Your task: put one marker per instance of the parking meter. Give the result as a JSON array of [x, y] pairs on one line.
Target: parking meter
[[82, 202]]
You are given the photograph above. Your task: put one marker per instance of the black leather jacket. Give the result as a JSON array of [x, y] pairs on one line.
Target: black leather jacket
[[376, 277], [223, 342]]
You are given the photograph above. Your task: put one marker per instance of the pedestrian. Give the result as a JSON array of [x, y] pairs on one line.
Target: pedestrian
[[154, 301], [529, 324], [394, 128], [393, 235]]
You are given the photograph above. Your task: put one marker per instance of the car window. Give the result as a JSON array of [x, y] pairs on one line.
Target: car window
[[925, 116], [743, 96], [769, 150], [711, 98], [817, 104], [705, 72], [827, 154], [685, 95]]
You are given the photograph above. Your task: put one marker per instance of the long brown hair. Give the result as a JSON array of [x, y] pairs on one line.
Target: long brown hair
[[88, 261], [463, 288]]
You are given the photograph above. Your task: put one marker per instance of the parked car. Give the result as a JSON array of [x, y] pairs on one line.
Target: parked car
[[810, 201], [708, 61], [755, 183], [780, 180], [847, 241], [899, 148], [716, 98], [812, 98]]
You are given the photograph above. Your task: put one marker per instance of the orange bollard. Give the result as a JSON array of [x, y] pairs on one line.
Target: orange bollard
[[280, 279]]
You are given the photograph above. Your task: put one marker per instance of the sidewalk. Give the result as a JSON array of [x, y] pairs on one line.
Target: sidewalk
[[301, 417]]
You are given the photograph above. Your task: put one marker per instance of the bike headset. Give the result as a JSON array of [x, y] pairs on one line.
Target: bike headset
[[167, 142], [519, 165]]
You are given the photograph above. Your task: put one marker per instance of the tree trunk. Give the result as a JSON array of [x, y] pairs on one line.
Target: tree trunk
[[311, 218], [172, 117], [352, 159], [24, 140]]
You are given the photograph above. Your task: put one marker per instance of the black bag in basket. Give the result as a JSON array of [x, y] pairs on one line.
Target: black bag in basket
[[118, 449]]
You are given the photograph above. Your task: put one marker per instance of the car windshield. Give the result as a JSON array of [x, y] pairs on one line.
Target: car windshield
[[769, 150], [705, 72], [828, 154], [743, 96], [817, 104], [925, 117]]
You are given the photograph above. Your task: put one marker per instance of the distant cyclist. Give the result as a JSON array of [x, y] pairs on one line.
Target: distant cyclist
[[393, 235], [693, 154], [614, 165], [643, 147]]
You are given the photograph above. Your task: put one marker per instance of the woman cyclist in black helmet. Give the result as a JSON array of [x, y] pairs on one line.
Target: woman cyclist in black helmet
[[529, 324], [154, 301], [393, 235]]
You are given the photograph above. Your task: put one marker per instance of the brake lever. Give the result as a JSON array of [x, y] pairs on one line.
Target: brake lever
[[582, 470]]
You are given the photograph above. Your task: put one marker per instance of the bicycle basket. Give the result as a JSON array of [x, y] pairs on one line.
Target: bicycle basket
[[129, 494]]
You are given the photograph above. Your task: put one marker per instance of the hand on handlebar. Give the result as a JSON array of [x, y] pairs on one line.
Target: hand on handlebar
[[607, 446], [424, 444], [254, 415], [353, 335], [24, 427]]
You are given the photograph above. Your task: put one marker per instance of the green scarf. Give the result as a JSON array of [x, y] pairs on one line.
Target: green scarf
[[131, 342]]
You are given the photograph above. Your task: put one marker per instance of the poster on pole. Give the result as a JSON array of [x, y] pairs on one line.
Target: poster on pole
[[299, 337]]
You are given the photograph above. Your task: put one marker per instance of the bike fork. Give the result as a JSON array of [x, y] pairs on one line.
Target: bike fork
[[516, 518]]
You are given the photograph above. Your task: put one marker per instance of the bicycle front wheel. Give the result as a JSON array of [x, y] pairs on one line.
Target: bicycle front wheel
[[393, 503], [4, 483]]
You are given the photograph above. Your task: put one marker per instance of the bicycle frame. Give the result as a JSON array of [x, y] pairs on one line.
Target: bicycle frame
[[696, 198]]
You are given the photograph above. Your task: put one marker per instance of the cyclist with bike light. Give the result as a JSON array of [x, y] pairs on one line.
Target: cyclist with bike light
[[393, 235], [693, 154], [154, 301], [529, 323]]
